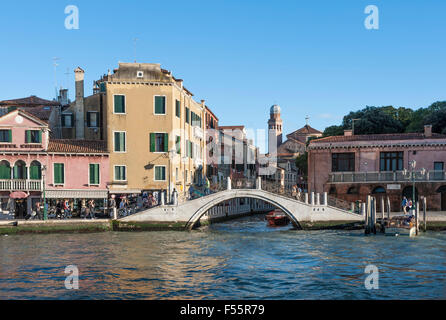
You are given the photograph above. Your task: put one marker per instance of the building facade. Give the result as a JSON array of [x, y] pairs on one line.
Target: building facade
[[351, 167], [152, 126], [34, 166]]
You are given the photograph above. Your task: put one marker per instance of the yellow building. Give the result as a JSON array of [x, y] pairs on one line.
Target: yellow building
[[151, 124]]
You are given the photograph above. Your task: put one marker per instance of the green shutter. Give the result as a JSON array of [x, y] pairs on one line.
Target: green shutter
[[27, 136], [152, 142], [5, 172], [166, 142], [40, 136], [160, 105], [117, 147], [59, 173], [102, 86], [94, 173], [10, 136], [122, 141], [34, 172], [119, 104], [178, 108]]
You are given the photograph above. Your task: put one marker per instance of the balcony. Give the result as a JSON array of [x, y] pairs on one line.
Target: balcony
[[20, 185], [385, 176]]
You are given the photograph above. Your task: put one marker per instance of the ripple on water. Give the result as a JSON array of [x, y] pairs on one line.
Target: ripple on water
[[241, 259]]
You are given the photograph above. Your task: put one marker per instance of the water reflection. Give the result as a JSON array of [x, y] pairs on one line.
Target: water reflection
[[240, 259]]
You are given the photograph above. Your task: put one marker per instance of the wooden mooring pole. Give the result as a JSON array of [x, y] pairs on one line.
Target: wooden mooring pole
[[388, 208], [367, 216], [417, 214], [424, 213]]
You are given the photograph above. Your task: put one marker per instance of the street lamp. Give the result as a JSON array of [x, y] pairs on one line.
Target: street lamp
[[171, 155], [411, 174], [45, 213]]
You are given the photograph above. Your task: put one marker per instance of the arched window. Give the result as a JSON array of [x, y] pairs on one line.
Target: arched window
[[5, 170], [20, 170], [378, 190], [353, 190], [35, 170]]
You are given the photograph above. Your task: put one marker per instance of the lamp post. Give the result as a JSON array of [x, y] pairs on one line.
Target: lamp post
[[171, 155], [411, 174], [45, 213]]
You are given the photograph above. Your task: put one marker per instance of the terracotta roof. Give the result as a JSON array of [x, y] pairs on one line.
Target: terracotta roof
[[306, 130], [41, 112], [378, 137], [231, 127], [77, 146], [29, 101]]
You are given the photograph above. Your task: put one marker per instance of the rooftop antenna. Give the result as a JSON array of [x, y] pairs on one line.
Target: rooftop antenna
[[55, 64], [134, 42]]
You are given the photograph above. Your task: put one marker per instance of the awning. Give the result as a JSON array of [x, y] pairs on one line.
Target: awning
[[76, 194], [124, 191], [18, 195]]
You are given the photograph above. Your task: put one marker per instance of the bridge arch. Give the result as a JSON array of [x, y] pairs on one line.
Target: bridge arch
[[228, 196]]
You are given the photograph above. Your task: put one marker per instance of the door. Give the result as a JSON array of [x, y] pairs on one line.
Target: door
[[443, 201], [20, 209], [438, 170]]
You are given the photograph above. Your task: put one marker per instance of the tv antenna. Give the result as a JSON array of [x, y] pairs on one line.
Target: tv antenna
[[55, 64]]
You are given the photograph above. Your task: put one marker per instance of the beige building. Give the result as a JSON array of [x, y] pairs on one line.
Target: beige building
[[151, 124]]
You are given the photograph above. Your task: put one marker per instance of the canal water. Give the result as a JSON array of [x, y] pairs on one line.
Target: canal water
[[239, 259]]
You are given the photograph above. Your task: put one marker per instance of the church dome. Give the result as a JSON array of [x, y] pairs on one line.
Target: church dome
[[275, 109]]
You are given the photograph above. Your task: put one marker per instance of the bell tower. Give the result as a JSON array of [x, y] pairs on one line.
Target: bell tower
[[274, 130]]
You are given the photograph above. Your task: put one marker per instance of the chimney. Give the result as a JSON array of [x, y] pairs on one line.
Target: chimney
[[428, 130], [63, 97], [348, 133], [79, 109]]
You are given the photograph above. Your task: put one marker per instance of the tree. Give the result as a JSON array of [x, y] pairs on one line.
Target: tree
[[302, 163], [372, 120], [333, 131]]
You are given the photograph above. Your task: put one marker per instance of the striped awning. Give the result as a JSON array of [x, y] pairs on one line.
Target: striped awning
[[76, 194]]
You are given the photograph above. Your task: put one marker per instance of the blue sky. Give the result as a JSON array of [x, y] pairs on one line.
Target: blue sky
[[312, 58]]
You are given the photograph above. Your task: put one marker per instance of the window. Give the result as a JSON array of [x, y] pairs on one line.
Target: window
[[438, 166], [159, 142], [187, 115], [378, 190], [5, 136], [160, 173], [391, 161], [178, 144], [120, 141], [59, 173], [35, 171], [102, 87], [160, 105], [67, 120], [177, 108], [140, 74], [92, 119], [94, 173], [343, 162], [33, 136], [196, 119], [119, 104], [120, 173]]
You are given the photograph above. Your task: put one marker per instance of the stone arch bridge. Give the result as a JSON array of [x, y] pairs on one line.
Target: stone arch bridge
[[190, 212]]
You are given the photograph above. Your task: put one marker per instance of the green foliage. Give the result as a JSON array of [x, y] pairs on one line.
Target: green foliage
[[333, 131], [302, 163], [388, 119]]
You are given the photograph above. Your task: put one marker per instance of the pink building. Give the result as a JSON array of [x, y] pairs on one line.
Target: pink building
[[350, 167], [32, 164]]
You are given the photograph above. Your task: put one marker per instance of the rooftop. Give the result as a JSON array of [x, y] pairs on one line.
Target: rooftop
[[378, 137], [29, 102], [77, 146]]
